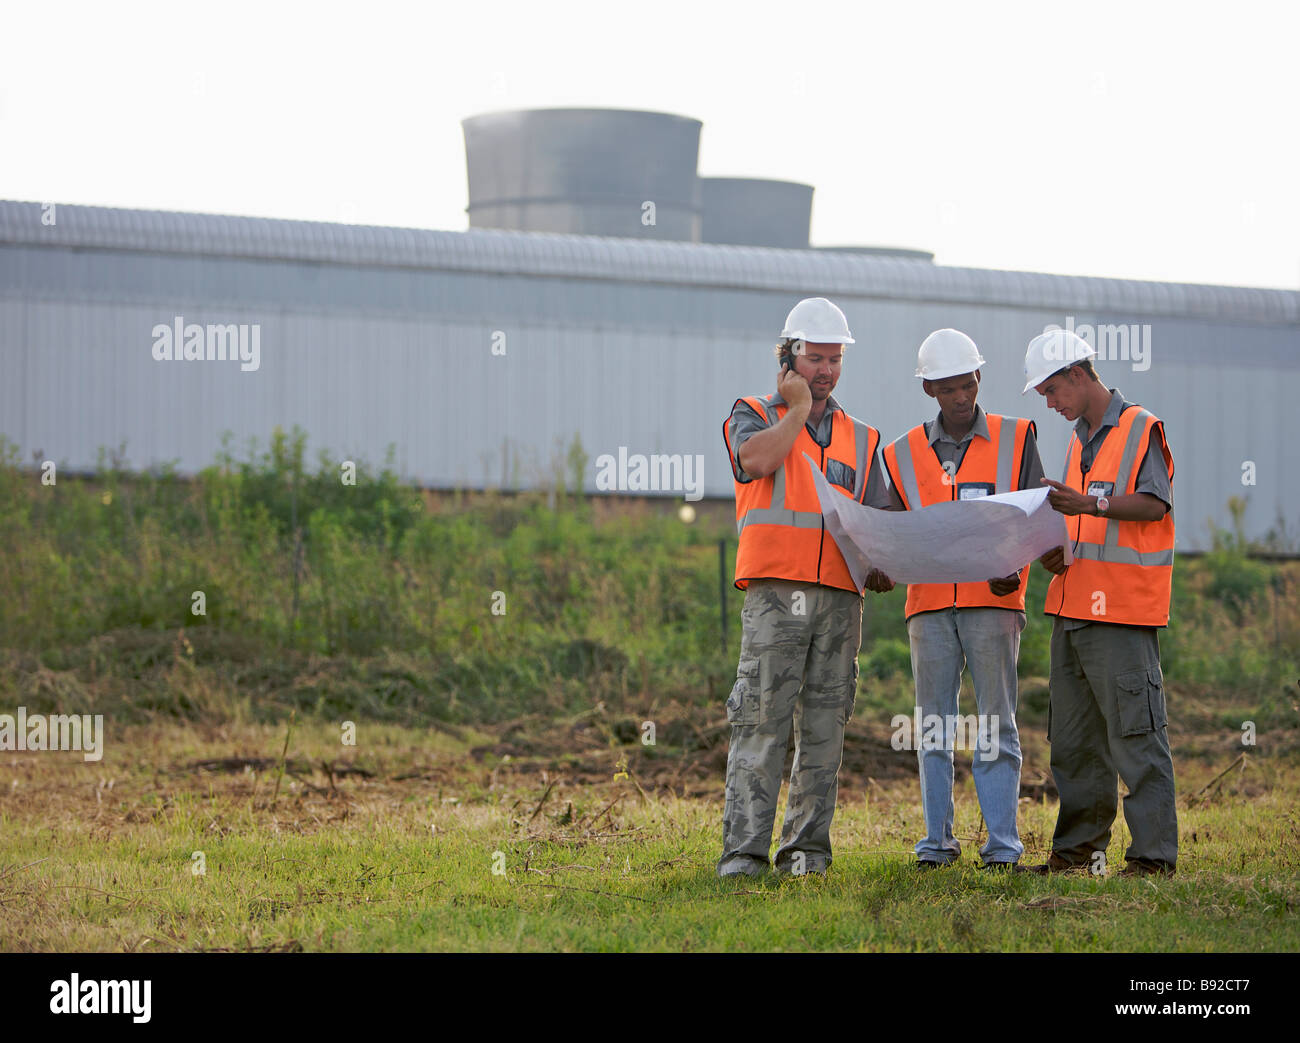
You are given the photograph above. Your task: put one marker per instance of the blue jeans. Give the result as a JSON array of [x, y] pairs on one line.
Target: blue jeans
[[988, 641]]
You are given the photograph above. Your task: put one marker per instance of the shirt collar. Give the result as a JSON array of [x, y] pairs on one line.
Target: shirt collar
[[831, 405], [980, 427], [1108, 419]]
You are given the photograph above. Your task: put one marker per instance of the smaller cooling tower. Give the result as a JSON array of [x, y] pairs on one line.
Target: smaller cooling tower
[[748, 211]]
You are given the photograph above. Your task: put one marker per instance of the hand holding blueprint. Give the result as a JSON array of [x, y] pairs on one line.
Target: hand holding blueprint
[[960, 541]]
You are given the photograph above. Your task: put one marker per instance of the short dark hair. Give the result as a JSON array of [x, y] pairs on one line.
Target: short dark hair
[[1086, 365]]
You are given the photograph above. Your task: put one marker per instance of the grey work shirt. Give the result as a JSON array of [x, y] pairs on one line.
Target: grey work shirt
[[745, 422], [952, 451], [1153, 476]]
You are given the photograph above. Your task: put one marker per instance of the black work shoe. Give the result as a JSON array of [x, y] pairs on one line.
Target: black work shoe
[[1005, 867], [929, 863], [1143, 867]]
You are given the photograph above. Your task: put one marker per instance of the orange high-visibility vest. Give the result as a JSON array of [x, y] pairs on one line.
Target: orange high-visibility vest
[[779, 518], [988, 466], [1122, 570]]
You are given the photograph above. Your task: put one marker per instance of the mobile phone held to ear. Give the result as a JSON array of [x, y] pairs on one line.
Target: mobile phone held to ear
[[793, 347]]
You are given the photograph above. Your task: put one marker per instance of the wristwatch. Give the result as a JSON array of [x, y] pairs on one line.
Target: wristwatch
[[1103, 505]]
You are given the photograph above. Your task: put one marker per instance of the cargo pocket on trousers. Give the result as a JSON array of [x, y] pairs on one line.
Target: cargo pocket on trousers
[[1141, 696], [744, 705]]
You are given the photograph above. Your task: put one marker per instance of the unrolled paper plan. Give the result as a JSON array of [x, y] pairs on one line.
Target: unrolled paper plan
[[960, 541]]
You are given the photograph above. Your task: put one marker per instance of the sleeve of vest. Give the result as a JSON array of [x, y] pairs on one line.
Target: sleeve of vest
[[743, 423], [1031, 464], [876, 493], [882, 490], [895, 499], [1154, 477]]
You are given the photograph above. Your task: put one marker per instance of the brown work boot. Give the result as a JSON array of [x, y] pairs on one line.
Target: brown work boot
[[1056, 864], [1146, 867]]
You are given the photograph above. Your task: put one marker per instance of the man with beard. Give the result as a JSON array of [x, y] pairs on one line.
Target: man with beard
[[802, 616]]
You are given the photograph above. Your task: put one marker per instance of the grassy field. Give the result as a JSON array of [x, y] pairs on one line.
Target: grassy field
[[425, 841], [498, 795]]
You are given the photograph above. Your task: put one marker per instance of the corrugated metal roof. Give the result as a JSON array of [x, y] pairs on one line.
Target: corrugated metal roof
[[626, 260]]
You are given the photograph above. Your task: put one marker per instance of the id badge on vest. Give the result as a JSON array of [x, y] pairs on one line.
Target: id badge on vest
[[974, 490], [1106, 489]]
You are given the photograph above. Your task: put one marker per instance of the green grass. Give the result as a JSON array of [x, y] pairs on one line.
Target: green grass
[[385, 863], [373, 604], [328, 599]]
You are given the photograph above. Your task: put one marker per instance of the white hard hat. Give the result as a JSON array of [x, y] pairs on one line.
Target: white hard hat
[[947, 353], [1052, 351], [817, 320]]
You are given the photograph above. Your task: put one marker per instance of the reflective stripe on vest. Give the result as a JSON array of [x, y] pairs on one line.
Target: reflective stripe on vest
[[1123, 570], [779, 519], [997, 460]]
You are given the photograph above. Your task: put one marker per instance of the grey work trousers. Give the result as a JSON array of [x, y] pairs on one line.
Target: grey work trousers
[[1107, 716], [798, 667]]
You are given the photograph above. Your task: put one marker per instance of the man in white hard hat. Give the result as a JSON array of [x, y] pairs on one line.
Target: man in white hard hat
[[1107, 704], [802, 616], [964, 453]]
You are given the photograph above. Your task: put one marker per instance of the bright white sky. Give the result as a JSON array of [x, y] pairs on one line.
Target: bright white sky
[[1136, 139]]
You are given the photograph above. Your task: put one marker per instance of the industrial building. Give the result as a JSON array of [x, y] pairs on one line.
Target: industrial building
[[480, 355]]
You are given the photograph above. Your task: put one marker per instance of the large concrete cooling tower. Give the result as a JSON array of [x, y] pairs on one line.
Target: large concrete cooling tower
[[585, 171], [748, 211]]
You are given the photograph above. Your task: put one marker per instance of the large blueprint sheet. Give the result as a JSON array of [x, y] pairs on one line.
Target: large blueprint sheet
[[961, 541]]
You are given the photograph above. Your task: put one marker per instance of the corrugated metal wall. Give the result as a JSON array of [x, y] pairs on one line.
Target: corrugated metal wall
[[362, 356]]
